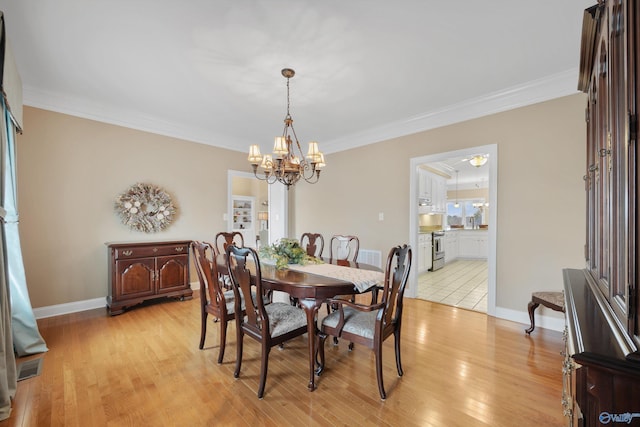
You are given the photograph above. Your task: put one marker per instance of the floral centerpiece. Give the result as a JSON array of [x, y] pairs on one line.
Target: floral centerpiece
[[287, 251]]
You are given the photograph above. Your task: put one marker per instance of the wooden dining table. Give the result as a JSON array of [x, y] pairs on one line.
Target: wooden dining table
[[311, 291]]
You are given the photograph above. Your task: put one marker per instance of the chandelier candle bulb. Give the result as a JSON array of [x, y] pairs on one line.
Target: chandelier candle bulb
[[280, 146], [313, 152], [254, 154]]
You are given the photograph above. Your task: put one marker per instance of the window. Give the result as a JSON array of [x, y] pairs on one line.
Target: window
[[469, 214]]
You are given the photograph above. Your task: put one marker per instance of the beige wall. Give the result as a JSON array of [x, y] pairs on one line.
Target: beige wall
[[70, 171], [540, 212]]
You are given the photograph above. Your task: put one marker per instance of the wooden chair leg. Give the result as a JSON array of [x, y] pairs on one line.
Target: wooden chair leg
[[203, 329], [239, 343], [223, 339], [532, 308], [397, 345], [378, 354], [264, 365]]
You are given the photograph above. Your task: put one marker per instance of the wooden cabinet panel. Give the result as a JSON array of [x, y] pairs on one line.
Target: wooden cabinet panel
[[142, 271], [173, 272], [601, 301], [135, 277]]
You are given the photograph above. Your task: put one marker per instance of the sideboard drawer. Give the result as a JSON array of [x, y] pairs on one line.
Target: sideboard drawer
[[133, 251]]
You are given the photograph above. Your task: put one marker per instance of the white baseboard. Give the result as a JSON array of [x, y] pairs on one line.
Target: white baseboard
[[76, 306], [70, 307], [546, 322]]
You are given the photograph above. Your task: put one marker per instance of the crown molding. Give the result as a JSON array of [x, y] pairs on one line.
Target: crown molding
[[533, 92], [554, 86], [86, 109]]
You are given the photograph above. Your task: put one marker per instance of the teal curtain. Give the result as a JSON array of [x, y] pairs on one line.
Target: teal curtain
[[26, 337], [8, 374], [8, 377]]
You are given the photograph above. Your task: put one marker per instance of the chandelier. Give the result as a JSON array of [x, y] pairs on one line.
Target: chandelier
[[284, 165]]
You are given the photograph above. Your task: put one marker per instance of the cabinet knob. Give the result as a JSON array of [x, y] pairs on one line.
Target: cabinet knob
[[155, 249], [179, 248], [127, 253]]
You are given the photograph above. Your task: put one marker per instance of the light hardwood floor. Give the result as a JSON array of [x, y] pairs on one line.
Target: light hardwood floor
[[143, 368], [460, 283]]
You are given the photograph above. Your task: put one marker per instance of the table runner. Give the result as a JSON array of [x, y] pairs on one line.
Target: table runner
[[362, 279]]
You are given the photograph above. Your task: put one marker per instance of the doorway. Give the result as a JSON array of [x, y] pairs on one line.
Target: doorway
[[489, 220], [268, 199]]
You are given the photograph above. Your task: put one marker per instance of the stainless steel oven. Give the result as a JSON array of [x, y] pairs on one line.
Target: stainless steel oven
[[438, 250]]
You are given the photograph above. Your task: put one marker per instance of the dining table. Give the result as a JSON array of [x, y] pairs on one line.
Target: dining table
[[313, 284]]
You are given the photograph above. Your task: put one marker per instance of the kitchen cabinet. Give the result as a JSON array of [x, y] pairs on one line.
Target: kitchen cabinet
[[432, 188], [424, 184], [451, 245], [424, 252], [244, 218], [147, 270], [473, 244], [438, 194]]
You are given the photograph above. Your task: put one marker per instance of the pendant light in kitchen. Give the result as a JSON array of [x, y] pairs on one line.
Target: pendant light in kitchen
[[456, 205]]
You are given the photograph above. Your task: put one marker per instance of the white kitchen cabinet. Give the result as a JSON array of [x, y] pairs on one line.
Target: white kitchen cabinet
[[424, 184], [451, 245], [424, 252], [438, 193], [473, 244]]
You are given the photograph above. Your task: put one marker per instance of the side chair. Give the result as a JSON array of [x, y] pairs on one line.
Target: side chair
[[214, 299], [270, 324], [371, 325]]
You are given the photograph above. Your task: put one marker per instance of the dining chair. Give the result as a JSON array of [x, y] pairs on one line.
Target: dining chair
[[269, 324], [222, 240], [214, 299], [371, 325], [313, 243], [344, 247]]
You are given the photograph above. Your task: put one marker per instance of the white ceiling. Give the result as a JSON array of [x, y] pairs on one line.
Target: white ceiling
[[366, 70]]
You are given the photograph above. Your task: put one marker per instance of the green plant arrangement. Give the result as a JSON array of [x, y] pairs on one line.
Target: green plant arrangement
[[287, 251]]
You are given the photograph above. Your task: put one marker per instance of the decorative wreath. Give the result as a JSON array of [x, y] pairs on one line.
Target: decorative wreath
[[145, 207]]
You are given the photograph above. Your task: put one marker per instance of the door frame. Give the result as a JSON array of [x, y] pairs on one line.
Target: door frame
[[492, 150], [278, 202]]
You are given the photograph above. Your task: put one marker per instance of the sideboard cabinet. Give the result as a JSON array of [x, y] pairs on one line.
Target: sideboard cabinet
[[602, 361], [140, 271]]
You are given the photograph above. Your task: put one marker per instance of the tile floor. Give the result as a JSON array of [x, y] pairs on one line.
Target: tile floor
[[460, 283]]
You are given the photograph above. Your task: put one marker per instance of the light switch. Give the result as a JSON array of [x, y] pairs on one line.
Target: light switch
[[224, 217], [381, 216]]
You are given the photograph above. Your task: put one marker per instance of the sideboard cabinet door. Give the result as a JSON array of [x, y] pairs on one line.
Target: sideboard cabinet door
[[135, 278]]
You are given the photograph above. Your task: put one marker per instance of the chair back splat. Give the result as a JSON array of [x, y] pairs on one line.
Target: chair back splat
[[313, 243], [224, 239], [344, 247]]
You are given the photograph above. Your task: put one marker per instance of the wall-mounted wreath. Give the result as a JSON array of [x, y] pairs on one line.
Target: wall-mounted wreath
[[145, 207]]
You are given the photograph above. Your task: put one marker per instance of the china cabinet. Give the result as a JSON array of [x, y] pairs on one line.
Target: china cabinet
[[601, 369]]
